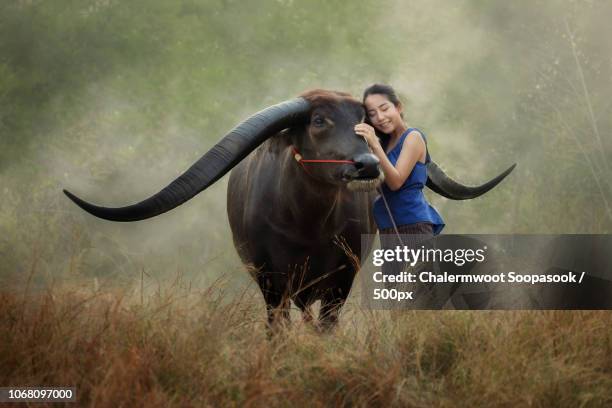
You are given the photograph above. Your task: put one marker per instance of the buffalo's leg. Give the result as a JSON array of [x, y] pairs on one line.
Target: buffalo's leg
[[303, 302], [278, 312], [276, 298], [307, 315], [331, 303]]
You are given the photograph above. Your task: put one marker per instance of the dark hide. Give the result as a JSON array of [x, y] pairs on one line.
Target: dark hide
[[299, 231]]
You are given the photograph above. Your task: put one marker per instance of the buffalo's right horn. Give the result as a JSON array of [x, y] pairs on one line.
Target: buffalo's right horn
[[228, 152], [439, 182]]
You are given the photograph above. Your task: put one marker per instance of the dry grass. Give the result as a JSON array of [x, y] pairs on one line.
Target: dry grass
[[182, 347]]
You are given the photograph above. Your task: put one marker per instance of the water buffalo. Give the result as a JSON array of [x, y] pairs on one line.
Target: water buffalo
[[299, 199]]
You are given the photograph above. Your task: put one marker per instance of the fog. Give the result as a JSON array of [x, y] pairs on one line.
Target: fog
[[112, 100]]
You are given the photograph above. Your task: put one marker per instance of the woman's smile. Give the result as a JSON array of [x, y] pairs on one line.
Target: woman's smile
[[384, 114]]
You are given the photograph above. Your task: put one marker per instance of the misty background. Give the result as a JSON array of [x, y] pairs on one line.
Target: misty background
[[112, 100]]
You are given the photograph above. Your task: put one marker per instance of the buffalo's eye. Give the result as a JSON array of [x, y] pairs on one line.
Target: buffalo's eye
[[318, 121]]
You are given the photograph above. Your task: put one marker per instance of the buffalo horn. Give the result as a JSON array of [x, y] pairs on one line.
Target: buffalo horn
[[439, 182], [228, 152]]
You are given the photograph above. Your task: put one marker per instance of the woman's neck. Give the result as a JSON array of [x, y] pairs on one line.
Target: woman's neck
[[396, 134], [399, 131]]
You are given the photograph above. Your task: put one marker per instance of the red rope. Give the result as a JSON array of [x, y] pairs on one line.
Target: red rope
[[299, 158]]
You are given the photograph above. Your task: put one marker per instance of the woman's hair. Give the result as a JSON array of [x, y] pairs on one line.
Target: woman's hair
[[389, 92], [382, 89]]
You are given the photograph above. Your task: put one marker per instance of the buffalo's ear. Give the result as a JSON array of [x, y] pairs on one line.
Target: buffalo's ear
[[297, 131], [282, 140]]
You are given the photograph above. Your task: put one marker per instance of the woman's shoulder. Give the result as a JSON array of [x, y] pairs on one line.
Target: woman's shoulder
[[413, 135], [414, 141], [411, 131]]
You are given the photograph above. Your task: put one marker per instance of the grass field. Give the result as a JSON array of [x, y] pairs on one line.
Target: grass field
[[182, 347]]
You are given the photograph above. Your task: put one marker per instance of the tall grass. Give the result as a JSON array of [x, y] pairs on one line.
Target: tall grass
[[181, 346]]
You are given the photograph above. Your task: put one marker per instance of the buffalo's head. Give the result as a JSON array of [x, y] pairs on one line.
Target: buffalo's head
[[327, 133]]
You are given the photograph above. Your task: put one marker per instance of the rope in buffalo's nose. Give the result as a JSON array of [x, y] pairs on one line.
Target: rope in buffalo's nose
[[298, 157]]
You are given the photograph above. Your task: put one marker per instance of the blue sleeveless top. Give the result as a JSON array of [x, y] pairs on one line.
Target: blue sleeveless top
[[407, 204]]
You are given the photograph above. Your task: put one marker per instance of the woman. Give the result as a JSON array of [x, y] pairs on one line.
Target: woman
[[403, 157]]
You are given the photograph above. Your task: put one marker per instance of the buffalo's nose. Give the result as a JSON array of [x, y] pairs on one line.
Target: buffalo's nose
[[367, 165]]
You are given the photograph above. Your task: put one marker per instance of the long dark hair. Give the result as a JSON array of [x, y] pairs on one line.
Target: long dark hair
[[389, 92]]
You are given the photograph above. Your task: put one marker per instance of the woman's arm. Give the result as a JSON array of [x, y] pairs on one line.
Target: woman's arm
[[412, 148]]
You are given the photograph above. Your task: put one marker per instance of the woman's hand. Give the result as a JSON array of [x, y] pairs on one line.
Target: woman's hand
[[368, 133]]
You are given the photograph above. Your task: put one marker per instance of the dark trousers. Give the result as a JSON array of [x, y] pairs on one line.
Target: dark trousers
[[411, 236]]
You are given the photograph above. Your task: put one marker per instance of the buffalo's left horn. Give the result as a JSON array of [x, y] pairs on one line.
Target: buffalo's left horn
[[439, 182], [228, 152]]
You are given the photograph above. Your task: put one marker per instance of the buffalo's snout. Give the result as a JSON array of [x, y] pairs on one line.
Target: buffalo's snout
[[367, 165]]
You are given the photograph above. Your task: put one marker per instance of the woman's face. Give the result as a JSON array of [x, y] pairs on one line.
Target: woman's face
[[383, 114]]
